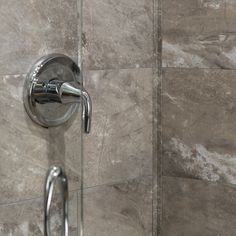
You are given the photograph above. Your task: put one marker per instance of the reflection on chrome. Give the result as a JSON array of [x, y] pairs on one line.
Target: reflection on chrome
[[55, 174]]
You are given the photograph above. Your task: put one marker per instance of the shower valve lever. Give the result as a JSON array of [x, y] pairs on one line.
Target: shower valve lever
[[65, 93], [53, 91]]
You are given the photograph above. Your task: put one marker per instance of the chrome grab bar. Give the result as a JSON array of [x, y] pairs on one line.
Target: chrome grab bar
[[55, 173]]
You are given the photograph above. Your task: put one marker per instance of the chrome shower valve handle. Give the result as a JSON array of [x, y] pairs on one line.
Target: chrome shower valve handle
[[53, 91]]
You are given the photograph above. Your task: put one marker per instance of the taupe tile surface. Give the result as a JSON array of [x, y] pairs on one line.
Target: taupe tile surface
[[193, 208], [120, 144], [157, 151], [199, 124], [27, 150], [26, 218], [30, 29], [118, 34], [199, 33], [119, 209], [23, 145], [65, 148]]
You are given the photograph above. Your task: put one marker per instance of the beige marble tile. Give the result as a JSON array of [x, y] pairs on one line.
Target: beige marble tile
[[120, 144], [65, 148], [118, 34], [27, 150], [26, 218], [193, 208], [31, 29], [199, 33], [23, 145], [198, 118], [119, 209]]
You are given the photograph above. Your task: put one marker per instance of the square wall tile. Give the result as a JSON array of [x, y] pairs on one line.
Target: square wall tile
[[26, 218], [193, 208], [120, 144], [199, 124], [118, 34], [199, 33], [27, 149], [31, 29], [119, 209]]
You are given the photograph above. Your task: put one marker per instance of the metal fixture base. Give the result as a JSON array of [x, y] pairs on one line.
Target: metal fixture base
[[54, 66]]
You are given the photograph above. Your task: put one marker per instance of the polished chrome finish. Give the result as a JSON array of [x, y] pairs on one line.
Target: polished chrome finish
[[53, 91], [54, 174]]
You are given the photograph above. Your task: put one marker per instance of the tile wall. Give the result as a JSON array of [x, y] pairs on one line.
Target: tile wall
[[119, 71], [198, 117]]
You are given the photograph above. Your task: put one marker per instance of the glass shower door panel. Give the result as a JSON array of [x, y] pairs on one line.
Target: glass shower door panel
[[28, 31]]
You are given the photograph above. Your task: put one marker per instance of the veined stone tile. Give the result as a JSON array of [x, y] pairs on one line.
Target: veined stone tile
[[26, 218], [27, 150], [199, 33], [199, 124], [120, 144], [31, 29], [118, 34], [193, 208], [119, 209], [65, 148], [23, 146]]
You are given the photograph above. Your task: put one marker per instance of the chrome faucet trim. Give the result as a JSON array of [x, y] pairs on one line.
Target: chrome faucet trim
[[55, 79], [65, 93], [69, 94]]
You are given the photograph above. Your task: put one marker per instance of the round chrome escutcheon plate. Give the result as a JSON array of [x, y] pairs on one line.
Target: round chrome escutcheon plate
[[47, 68]]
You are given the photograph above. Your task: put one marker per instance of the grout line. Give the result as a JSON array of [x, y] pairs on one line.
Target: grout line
[[137, 68], [38, 198], [20, 201], [86, 70], [116, 182], [119, 68], [15, 74], [73, 191], [154, 120], [159, 169], [201, 180], [197, 68]]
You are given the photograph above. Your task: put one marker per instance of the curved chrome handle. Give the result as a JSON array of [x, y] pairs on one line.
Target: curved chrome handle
[[55, 78], [69, 92], [65, 93], [55, 173]]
